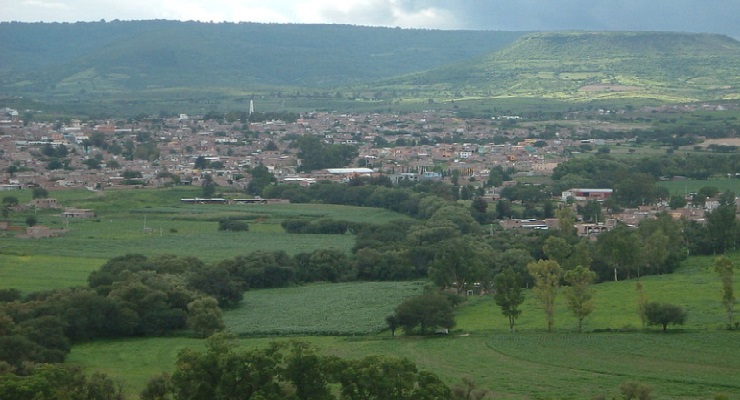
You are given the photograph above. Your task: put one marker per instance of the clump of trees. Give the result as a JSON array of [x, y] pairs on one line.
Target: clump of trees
[[232, 225], [47, 381], [291, 371], [423, 314]]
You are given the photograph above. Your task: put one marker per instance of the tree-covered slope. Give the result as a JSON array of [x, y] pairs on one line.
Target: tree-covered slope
[[673, 66], [128, 55]]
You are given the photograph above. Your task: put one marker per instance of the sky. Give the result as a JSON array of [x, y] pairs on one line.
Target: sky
[[711, 16]]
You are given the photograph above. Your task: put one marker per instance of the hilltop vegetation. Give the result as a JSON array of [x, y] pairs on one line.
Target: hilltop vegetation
[[585, 65], [138, 66], [100, 57]]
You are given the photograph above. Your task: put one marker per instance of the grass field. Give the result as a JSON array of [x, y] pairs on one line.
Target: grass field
[[693, 186], [320, 309], [154, 222], [695, 361]]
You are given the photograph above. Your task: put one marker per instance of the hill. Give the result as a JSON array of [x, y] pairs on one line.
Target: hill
[[587, 65], [116, 56]]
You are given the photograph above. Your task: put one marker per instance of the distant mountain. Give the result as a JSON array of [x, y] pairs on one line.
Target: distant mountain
[[586, 65], [137, 55], [144, 66]]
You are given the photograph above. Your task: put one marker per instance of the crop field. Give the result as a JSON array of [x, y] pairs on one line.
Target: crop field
[[320, 309], [693, 185], [154, 222], [696, 361]]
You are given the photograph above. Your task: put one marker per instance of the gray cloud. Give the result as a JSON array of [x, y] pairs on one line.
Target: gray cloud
[[714, 16]]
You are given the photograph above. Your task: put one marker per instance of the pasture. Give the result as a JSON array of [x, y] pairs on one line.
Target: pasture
[[154, 222], [696, 361]]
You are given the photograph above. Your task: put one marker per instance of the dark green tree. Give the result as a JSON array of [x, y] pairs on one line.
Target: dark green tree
[[508, 294], [261, 178], [39, 193], [425, 313], [664, 314]]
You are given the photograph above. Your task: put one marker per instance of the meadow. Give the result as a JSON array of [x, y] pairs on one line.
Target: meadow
[[696, 361], [154, 222]]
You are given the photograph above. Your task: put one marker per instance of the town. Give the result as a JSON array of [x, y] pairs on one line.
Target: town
[[412, 147]]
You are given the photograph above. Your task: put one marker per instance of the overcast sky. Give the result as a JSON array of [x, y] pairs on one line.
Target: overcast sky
[[714, 16]]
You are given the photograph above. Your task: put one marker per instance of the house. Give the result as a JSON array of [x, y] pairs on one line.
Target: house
[[78, 213], [587, 194]]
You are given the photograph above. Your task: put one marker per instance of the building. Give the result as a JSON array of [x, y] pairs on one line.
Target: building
[[587, 194]]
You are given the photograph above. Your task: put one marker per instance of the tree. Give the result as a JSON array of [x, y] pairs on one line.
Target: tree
[[725, 269], [591, 212], [392, 322], [458, 263], [261, 178], [664, 314], [546, 275], [508, 294], [557, 249], [10, 201], [232, 225], [425, 313], [208, 186], [619, 247], [204, 317], [566, 223], [40, 193], [722, 224], [579, 292], [31, 220], [641, 303]]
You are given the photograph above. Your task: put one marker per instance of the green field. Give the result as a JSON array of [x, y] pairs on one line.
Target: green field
[[154, 222], [320, 309], [689, 365], [694, 361], [693, 185]]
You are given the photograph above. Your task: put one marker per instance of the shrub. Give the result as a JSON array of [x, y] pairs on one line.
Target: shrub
[[232, 225]]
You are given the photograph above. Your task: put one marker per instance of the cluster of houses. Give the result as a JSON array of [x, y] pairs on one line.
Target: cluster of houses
[[102, 155]]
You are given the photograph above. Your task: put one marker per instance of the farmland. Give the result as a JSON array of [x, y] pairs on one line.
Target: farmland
[[698, 360], [153, 222]]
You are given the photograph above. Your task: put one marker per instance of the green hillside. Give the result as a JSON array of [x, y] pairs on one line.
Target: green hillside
[[116, 56], [588, 65]]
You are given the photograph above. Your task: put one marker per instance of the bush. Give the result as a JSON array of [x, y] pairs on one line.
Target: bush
[[232, 225]]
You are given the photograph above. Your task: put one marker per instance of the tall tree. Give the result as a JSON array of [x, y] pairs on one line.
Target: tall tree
[[508, 294], [579, 292], [725, 269], [641, 303], [722, 224], [458, 263], [546, 275], [566, 223], [618, 247]]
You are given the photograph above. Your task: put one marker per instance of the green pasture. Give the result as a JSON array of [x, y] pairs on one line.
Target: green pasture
[[696, 361], [154, 222], [693, 185], [320, 309], [528, 365], [43, 272]]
